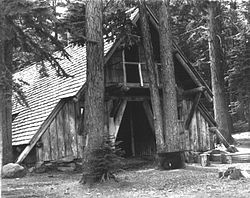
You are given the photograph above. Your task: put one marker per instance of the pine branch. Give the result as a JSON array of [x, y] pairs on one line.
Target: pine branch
[[39, 51]]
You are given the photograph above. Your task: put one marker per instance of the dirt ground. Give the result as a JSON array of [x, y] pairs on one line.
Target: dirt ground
[[193, 181]]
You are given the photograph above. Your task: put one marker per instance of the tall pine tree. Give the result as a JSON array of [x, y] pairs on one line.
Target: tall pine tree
[[217, 65], [94, 95], [168, 81], [152, 69]]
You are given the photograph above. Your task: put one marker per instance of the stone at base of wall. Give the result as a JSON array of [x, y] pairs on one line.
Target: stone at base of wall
[[13, 170]]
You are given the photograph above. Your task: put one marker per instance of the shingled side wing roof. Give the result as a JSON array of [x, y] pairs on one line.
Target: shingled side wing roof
[[44, 93]]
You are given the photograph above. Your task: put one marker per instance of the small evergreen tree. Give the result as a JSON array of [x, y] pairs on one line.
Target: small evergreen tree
[[105, 162]]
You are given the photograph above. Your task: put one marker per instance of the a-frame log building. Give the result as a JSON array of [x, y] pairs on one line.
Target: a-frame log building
[[47, 129]]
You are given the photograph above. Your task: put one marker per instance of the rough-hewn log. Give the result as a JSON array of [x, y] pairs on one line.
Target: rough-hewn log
[[217, 65], [220, 136], [132, 133], [170, 116], [193, 91], [152, 74], [94, 119], [192, 75], [6, 51], [115, 122], [129, 98], [204, 160]]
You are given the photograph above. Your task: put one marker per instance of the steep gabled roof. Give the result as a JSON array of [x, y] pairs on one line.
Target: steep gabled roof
[[44, 93]]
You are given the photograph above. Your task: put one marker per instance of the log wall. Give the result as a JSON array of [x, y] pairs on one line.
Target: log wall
[[60, 138], [197, 137], [114, 70]]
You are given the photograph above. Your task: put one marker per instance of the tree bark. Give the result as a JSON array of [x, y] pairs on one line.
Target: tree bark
[[8, 154], [2, 121], [6, 49], [94, 96], [248, 113], [221, 113], [152, 69], [168, 81]]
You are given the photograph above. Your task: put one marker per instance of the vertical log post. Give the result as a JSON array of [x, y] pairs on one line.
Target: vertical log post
[[217, 66], [152, 74], [132, 134]]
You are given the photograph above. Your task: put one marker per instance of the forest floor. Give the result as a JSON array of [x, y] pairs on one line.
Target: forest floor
[[193, 181]]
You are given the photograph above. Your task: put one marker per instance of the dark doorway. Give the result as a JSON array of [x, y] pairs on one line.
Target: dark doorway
[[135, 133]]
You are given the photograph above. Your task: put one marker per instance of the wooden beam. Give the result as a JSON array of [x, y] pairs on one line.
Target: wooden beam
[[40, 131], [220, 136], [114, 88], [193, 91], [124, 68], [119, 115], [140, 74], [116, 105], [189, 71], [149, 114], [115, 121], [113, 49], [192, 111], [112, 128], [127, 86], [108, 107], [129, 98], [208, 117], [132, 134], [192, 75]]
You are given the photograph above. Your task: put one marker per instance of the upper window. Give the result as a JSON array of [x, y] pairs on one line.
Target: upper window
[[132, 54], [132, 64]]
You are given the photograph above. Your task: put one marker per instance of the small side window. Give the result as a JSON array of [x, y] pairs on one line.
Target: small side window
[[14, 116], [179, 111]]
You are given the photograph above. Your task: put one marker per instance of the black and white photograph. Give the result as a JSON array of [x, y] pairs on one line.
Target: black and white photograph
[[125, 98]]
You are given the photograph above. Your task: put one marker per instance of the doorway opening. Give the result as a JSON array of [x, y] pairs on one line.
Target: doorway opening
[[135, 134]]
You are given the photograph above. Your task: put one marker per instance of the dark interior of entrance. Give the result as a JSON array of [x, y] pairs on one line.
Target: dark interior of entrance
[[135, 133]]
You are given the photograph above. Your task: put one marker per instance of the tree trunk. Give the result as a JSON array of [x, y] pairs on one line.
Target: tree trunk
[[2, 109], [152, 69], [94, 96], [168, 81], [221, 113], [8, 154], [6, 94], [248, 114]]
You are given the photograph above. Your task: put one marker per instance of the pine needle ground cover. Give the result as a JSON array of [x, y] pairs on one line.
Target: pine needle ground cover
[[144, 181], [193, 181]]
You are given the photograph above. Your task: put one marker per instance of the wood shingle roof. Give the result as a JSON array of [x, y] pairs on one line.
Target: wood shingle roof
[[44, 93]]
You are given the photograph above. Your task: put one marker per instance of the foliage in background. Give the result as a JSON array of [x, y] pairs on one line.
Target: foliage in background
[[31, 24], [30, 28], [189, 21], [38, 31], [116, 22]]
